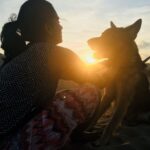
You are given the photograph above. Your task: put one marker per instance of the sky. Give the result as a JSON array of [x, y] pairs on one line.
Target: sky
[[83, 19]]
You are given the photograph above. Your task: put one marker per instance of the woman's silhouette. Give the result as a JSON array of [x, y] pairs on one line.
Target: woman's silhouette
[[28, 84], [11, 42]]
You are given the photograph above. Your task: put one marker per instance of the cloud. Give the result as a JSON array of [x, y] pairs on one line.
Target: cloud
[[83, 19], [144, 45], [7, 8]]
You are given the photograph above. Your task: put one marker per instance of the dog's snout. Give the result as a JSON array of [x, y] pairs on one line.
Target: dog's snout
[[93, 43], [89, 42]]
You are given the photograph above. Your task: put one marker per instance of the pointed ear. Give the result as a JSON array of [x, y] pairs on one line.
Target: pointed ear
[[112, 25], [134, 29]]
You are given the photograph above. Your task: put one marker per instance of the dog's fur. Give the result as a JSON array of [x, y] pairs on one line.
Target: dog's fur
[[128, 85]]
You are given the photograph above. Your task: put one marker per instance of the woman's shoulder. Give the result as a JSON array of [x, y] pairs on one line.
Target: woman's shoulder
[[51, 49], [47, 46], [35, 54], [65, 52]]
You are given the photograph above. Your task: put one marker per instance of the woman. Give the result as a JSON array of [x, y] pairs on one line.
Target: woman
[[31, 116], [11, 42]]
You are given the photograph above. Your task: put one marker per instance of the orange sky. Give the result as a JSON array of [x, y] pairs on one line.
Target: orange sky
[[83, 19]]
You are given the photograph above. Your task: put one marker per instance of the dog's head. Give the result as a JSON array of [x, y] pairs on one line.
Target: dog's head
[[114, 40]]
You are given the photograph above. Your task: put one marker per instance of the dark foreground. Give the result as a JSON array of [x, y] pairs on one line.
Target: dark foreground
[[135, 137]]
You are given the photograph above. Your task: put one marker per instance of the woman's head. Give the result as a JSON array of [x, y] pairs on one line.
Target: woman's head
[[38, 22], [11, 42]]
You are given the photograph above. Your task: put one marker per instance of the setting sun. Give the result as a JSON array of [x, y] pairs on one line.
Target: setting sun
[[89, 59]]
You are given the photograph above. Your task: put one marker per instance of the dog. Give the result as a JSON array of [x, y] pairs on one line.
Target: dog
[[127, 85]]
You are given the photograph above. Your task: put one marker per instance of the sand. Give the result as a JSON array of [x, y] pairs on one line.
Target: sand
[[127, 138]]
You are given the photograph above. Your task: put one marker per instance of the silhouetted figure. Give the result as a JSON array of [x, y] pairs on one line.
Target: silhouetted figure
[[28, 82], [11, 42]]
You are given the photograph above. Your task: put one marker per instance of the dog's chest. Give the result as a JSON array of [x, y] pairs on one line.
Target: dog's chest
[[124, 76]]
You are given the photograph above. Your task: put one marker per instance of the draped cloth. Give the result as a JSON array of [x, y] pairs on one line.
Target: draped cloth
[[51, 128]]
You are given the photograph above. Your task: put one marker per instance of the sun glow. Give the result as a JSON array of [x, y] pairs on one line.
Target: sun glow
[[89, 58]]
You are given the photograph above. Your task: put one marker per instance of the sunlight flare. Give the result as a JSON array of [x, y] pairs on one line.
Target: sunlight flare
[[89, 58]]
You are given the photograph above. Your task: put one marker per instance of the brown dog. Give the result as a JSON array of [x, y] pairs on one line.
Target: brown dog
[[126, 67]]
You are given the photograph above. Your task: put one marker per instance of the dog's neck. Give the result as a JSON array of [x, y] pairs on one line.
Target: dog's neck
[[126, 59]]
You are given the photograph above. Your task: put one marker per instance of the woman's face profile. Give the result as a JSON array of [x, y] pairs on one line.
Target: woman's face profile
[[39, 22], [54, 31], [51, 31], [57, 31]]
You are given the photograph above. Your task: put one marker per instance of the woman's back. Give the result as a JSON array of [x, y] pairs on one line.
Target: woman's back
[[30, 80], [23, 82]]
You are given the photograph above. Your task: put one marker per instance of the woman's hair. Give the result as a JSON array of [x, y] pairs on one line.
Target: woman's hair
[[11, 42], [33, 16]]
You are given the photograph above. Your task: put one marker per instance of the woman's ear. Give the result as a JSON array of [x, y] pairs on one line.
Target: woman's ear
[[47, 29], [134, 29], [48, 33]]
